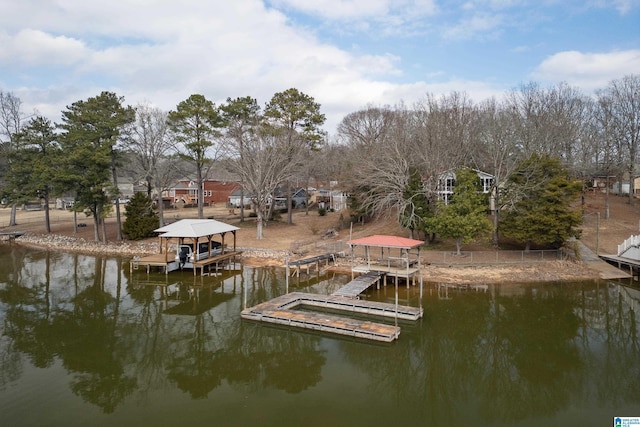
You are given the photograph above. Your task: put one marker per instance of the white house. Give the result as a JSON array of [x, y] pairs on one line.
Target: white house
[[447, 181]]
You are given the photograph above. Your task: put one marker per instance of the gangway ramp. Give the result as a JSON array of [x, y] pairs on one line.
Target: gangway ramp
[[354, 288]]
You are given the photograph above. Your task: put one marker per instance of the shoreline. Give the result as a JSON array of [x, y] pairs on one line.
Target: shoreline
[[545, 271]]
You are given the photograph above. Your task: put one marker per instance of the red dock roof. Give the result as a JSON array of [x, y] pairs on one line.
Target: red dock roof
[[386, 242]]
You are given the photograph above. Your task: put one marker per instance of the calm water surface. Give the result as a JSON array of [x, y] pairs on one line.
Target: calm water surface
[[84, 342]]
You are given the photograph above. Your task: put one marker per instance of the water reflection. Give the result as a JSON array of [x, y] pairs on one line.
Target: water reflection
[[512, 354]]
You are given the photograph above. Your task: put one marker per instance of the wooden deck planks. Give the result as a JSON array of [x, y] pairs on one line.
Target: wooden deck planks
[[358, 285], [280, 310]]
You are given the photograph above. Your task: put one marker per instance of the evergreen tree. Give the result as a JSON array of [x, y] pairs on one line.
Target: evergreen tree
[[465, 216], [297, 117], [541, 212], [91, 130], [196, 124], [141, 219], [33, 164]]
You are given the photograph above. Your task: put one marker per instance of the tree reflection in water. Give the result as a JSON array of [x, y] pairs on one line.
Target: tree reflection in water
[[513, 354]]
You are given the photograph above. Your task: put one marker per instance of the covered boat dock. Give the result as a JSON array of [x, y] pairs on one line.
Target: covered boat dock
[[195, 232]]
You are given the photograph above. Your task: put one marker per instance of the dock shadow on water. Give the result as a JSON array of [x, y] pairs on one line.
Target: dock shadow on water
[[87, 342]]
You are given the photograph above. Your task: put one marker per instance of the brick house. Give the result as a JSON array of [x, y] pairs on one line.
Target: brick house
[[185, 192]]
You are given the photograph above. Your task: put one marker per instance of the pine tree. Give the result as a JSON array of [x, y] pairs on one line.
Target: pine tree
[[142, 219], [543, 194]]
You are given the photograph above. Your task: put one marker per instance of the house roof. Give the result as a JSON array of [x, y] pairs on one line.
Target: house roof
[[385, 241], [195, 228]]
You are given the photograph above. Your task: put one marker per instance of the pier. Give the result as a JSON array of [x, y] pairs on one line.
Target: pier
[[10, 235], [308, 264]]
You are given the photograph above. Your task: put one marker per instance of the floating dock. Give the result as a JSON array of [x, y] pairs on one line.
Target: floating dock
[[283, 311]]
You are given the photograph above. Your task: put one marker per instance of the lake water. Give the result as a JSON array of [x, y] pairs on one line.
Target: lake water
[[84, 342]]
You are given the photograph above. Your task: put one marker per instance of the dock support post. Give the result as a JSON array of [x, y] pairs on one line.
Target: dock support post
[[287, 279]]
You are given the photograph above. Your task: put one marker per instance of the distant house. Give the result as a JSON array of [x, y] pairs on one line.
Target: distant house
[[331, 199], [65, 203], [214, 191], [235, 198], [125, 187], [299, 198]]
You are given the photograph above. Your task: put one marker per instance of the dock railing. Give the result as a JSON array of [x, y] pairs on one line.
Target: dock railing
[[631, 242]]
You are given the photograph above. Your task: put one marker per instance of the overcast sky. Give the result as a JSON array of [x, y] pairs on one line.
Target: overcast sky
[[345, 53]]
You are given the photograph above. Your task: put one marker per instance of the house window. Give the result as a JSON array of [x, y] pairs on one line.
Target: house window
[[487, 183]]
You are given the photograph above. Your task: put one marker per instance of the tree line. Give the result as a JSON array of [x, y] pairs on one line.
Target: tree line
[[540, 145]]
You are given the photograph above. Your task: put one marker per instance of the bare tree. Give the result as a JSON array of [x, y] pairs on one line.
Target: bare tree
[[621, 102], [548, 120], [11, 119], [268, 160], [379, 166], [242, 118], [443, 136], [495, 150], [151, 148], [609, 159]]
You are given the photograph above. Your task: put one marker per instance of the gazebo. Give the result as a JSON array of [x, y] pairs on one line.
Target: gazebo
[[398, 256]]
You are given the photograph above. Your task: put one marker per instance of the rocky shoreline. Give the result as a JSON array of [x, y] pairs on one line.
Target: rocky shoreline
[[125, 248], [521, 273]]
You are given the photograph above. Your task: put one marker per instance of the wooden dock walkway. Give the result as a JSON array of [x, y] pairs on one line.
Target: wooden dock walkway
[[10, 235], [217, 260], [296, 267], [354, 288], [165, 259]]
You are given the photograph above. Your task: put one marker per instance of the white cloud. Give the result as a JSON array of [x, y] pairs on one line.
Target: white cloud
[[361, 9], [588, 71], [478, 25], [36, 48], [172, 50], [56, 52]]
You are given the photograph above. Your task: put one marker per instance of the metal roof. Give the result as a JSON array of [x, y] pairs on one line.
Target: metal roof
[[385, 241], [195, 228]]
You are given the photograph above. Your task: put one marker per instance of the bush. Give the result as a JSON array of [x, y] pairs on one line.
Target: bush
[[322, 211]]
